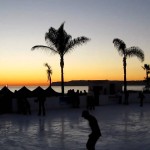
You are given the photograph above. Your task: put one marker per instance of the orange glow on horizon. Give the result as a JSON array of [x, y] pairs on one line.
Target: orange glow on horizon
[[40, 81], [36, 78], [27, 83]]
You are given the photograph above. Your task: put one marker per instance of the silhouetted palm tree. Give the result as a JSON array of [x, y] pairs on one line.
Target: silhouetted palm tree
[[49, 73], [60, 42], [125, 53], [147, 69]]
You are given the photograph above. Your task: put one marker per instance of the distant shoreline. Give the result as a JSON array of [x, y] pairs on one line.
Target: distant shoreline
[[82, 83], [88, 82]]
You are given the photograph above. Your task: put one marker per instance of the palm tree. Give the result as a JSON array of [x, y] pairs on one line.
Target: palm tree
[[125, 53], [60, 42], [147, 69], [49, 72]]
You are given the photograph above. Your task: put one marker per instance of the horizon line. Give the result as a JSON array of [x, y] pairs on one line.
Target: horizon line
[[47, 84]]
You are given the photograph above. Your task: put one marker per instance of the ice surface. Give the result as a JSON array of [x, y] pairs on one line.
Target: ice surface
[[122, 127]]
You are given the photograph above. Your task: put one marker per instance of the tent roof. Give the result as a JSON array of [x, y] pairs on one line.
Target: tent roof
[[24, 91], [50, 92], [5, 90]]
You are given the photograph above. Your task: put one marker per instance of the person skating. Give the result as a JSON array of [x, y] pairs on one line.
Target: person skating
[[95, 134]]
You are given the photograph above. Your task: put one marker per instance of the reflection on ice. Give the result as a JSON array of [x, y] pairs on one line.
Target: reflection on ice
[[123, 127]]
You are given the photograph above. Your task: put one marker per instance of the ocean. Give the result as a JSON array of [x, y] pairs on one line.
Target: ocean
[[66, 88]]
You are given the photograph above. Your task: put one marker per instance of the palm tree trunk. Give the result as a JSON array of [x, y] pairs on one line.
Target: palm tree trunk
[[125, 81], [147, 82], [62, 74], [50, 81]]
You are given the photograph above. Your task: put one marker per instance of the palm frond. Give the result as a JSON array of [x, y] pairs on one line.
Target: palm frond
[[76, 42], [51, 36], [135, 51], [57, 39], [42, 47], [147, 67], [120, 45], [49, 70], [46, 65], [61, 28], [63, 38], [39, 47]]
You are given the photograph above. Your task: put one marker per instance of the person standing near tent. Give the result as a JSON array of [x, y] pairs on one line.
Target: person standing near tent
[[41, 100], [90, 99], [141, 96], [95, 134]]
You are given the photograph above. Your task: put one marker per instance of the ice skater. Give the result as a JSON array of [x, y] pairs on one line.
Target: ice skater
[[95, 134]]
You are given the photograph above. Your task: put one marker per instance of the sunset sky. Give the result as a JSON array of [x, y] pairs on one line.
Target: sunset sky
[[23, 24]]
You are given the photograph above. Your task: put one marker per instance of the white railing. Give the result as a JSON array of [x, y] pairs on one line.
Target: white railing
[[55, 103]]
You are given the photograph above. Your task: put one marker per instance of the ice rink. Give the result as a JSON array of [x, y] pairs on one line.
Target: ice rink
[[123, 128]]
